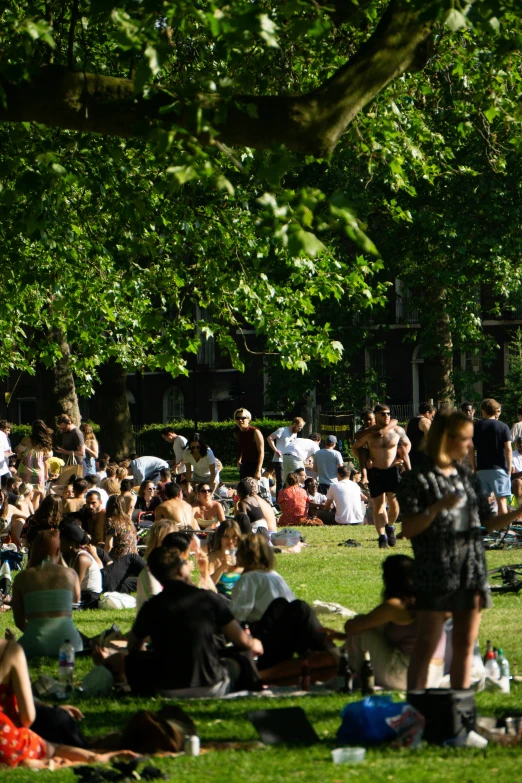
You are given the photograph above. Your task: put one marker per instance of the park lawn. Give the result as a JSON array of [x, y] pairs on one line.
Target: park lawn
[[328, 572]]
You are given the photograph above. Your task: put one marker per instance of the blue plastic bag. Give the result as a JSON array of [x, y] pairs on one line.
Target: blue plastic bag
[[365, 722]]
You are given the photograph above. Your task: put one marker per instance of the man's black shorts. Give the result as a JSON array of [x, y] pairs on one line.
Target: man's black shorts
[[383, 480]]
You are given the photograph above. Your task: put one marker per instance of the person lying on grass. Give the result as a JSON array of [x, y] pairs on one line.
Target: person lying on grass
[[19, 746], [182, 623]]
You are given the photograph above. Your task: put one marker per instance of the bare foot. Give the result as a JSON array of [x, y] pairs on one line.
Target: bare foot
[[9, 635], [104, 758]]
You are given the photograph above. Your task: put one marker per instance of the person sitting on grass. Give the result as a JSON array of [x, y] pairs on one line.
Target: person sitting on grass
[[47, 516], [21, 747], [207, 512], [120, 533], [253, 513], [42, 599], [285, 626], [293, 502], [222, 561], [182, 623], [389, 631], [316, 501], [148, 498], [71, 505]]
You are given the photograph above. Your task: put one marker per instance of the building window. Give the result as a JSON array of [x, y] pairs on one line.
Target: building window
[[173, 404]]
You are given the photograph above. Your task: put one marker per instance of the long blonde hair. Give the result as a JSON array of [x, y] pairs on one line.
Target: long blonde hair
[[88, 434], [157, 533], [447, 423]]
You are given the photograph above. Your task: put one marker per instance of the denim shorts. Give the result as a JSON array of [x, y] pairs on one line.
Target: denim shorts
[[495, 480]]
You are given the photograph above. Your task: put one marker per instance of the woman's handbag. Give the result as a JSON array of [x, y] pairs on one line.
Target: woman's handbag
[[447, 712]]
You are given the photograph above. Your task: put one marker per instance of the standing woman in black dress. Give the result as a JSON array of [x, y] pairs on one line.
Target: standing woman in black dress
[[443, 506]]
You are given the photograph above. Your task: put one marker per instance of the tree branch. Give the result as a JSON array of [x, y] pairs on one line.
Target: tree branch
[[311, 123]]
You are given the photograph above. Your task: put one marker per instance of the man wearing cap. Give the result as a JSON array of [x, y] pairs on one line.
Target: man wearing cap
[[326, 462]]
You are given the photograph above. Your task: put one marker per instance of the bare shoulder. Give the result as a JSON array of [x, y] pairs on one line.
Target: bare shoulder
[[400, 431]]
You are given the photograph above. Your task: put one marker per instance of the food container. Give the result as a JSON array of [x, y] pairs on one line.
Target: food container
[[348, 755]]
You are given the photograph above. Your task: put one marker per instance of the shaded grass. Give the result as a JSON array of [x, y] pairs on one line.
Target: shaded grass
[[351, 577]]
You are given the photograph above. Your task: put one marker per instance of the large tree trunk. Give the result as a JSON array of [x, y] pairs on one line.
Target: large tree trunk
[[57, 391], [117, 436], [438, 361]]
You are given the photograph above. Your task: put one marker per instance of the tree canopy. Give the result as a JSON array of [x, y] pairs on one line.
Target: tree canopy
[[162, 156]]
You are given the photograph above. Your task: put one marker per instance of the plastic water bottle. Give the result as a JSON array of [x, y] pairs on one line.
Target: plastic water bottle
[[492, 667], [503, 664], [5, 578], [66, 665]]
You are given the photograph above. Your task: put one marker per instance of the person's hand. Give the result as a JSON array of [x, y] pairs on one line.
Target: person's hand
[[449, 501], [333, 634], [71, 710], [62, 451], [90, 548], [202, 561], [279, 453], [257, 474], [256, 647]]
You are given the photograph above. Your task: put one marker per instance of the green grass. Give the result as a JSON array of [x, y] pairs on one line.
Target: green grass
[[350, 577], [229, 474]]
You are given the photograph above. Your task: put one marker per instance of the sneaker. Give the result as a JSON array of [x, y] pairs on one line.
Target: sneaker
[[383, 542], [390, 533]]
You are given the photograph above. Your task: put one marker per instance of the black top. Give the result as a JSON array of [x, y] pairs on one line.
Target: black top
[[181, 622], [414, 433], [489, 438], [142, 506]]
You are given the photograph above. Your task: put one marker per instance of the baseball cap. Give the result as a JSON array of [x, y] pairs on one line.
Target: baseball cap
[[331, 439], [73, 533]]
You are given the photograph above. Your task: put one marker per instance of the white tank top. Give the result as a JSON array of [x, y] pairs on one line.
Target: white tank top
[[93, 578]]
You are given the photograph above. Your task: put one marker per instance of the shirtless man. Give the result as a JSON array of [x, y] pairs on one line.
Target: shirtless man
[[368, 422], [175, 508], [383, 475], [95, 525]]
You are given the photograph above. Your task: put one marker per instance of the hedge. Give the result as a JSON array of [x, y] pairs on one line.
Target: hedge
[[219, 435]]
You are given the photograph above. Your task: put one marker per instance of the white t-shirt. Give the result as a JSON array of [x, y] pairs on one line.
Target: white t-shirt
[[178, 447], [302, 448], [254, 592], [4, 446], [517, 462], [284, 436], [201, 469], [516, 431], [347, 498], [102, 474], [318, 499]]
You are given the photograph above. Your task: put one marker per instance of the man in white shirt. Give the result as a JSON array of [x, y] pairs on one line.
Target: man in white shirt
[[179, 444], [347, 498], [516, 429], [298, 451], [5, 450], [326, 462], [278, 441]]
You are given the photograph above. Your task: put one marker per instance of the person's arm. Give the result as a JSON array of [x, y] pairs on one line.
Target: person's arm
[[271, 443], [76, 589], [360, 443], [94, 451], [239, 638], [405, 444], [188, 470], [260, 443], [424, 425], [81, 566], [22, 685], [502, 521], [220, 512], [329, 500], [382, 614], [91, 549], [212, 482], [509, 456], [415, 524]]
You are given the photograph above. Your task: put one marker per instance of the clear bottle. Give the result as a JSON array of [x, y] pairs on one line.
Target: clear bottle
[[489, 648], [66, 665], [305, 675], [231, 555], [367, 676], [491, 667], [503, 664]]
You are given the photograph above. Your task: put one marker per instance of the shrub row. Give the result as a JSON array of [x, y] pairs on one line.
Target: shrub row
[[219, 435]]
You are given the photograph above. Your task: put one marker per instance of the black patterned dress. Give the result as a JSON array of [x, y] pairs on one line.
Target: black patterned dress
[[450, 566]]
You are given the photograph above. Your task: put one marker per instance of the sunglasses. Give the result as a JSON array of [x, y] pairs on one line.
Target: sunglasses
[[241, 418], [205, 490], [383, 413]]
